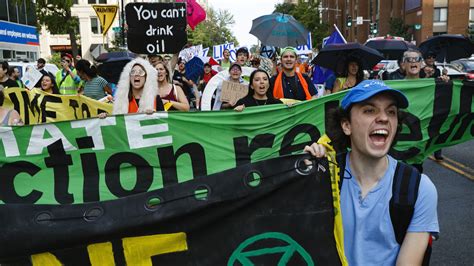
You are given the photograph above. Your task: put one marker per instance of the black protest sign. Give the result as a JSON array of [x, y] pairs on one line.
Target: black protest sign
[[156, 28], [273, 212]]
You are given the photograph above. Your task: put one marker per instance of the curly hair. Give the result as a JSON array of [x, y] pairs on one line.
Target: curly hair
[[360, 71]]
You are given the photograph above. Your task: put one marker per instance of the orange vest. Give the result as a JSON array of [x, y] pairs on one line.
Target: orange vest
[[278, 86], [133, 106]]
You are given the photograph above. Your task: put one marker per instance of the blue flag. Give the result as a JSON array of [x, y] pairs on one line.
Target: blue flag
[[321, 74]]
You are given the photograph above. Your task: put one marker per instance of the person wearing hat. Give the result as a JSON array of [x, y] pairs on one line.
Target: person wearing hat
[[235, 75], [40, 64], [289, 83], [429, 59], [360, 133], [66, 78]]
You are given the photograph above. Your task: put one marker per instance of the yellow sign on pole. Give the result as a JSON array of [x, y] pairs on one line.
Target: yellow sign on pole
[[106, 14]]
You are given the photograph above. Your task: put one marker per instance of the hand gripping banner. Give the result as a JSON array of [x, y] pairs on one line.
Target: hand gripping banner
[[274, 212]]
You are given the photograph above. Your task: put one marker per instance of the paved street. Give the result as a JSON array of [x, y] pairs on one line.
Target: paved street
[[455, 205]]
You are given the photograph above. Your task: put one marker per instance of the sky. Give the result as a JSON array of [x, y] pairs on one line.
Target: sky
[[244, 12]]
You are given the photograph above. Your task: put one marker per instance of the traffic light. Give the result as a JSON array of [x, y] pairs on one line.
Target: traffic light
[[349, 21], [373, 28], [471, 32]]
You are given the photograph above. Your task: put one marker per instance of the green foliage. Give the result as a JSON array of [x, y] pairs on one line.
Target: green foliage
[[307, 13], [398, 28], [116, 43], [56, 16], [214, 30], [55, 59]]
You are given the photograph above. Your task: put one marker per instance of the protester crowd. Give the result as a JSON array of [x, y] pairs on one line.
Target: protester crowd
[[165, 83]]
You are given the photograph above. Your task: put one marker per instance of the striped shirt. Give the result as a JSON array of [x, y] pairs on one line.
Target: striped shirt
[[94, 88]]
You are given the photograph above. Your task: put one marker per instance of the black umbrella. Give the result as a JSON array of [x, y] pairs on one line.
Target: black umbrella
[[115, 56], [279, 30], [332, 55], [392, 49], [448, 47]]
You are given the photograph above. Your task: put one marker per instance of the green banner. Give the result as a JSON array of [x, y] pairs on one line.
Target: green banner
[[103, 159]]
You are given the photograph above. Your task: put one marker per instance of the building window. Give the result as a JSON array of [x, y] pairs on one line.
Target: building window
[[440, 14], [95, 27], [97, 1], [471, 15]]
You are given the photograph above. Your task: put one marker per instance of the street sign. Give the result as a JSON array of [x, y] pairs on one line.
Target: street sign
[[417, 26], [360, 20], [117, 29], [106, 15]]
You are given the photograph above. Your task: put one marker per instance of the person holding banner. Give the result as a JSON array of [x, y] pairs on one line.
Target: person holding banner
[[259, 93], [95, 87], [8, 117], [170, 94], [353, 74], [289, 83], [359, 135], [48, 85], [137, 89]]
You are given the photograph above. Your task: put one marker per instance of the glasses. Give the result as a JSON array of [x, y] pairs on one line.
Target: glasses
[[412, 59], [139, 73]]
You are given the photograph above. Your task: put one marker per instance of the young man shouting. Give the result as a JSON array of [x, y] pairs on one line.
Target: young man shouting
[[363, 130]]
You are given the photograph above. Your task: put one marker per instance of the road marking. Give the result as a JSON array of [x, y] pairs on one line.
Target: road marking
[[455, 166]]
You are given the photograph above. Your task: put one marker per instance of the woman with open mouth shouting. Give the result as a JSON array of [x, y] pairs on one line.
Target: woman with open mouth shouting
[[259, 93], [137, 89], [171, 95]]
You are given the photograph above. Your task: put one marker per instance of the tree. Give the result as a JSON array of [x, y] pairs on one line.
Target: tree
[[56, 16], [398, 28], [214, 30], [307, 13]]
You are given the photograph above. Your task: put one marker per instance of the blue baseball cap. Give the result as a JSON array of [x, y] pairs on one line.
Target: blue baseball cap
[[368, 88]]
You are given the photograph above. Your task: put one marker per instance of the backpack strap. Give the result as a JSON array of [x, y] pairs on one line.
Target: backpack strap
[[406, 182], [341, 162]]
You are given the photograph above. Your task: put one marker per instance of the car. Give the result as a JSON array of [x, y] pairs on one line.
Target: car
[[22, 67], [380, 67], [452, 71], [389, 66], [464, 65]]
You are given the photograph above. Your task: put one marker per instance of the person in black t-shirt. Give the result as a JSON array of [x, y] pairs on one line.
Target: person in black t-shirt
[[259, 93], [5, 80]]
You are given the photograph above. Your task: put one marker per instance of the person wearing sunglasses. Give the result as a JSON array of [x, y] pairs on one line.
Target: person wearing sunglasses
[[137, 89], [66, 78], [429, 58], [412, 60]]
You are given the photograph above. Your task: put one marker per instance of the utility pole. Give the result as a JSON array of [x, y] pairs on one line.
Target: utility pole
[[122, 12]]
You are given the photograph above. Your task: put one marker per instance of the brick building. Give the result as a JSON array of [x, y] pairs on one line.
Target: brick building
[[425, 18]]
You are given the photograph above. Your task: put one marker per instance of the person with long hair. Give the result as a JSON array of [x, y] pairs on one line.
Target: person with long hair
[[48, 84], [170, 93], [353, 74], [8, 117], [259, 93], [137, 89], [95, 86]]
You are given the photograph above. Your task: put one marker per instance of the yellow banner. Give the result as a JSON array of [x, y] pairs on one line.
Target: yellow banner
[[37, 106]]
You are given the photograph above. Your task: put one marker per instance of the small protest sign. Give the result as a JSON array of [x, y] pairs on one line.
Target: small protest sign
[[156, 28], [232, 92], [31, 77], [306, 48], [218, 50]]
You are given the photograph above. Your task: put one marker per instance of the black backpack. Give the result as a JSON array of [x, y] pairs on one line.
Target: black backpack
[[406, 182]]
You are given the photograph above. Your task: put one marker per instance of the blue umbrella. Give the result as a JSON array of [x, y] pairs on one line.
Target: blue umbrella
[[279, 30], [194, 69]]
